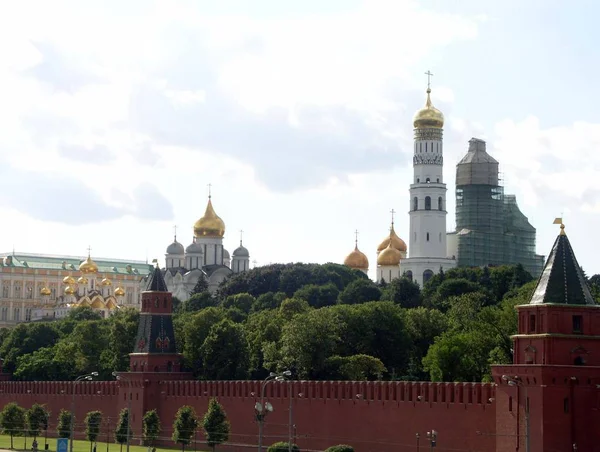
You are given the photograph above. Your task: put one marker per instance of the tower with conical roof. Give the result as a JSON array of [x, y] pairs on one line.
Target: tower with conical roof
[[427, 240], [550, 392]]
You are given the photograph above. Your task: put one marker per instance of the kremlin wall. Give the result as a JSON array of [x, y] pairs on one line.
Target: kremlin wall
[[547, 400]]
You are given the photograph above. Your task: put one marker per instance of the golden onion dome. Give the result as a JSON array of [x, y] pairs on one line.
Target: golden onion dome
[[68, 280], [82, 280], [119, 291], [210, 225], [106, 282], [389, 256], [357, 260], [428, 117], [69, 290], [396, 242], [88, 266], [45, 291]]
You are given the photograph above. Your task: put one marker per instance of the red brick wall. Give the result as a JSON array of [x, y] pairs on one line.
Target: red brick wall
[[371, 416]]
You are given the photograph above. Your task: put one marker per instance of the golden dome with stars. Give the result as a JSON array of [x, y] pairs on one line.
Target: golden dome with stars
[[210, 225], [428, 117]]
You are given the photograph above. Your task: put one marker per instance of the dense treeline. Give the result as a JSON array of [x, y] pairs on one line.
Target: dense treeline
[[320, 321]]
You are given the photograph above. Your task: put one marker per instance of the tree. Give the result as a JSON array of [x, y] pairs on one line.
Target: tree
[[241, 301], [195, 332], [93, 421], [151, 423], [225, 352], [37, 419], [215, 424], [360, 291], [123, 428], [197, 302], [356, 367], [63, 427], [12, 421], [293, 306], [185, 425], [201, 286], [282, 446], [318, 296], [340, 448], [403, 292], [24, 339]]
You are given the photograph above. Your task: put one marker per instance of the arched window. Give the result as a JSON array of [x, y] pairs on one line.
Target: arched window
[[428, 236], [427, 203], [438, 180], [427, 275], [440, 203], [579, 361], [440, 237], [418, 180], [427, 180], [415, 203], [169, 366], [408, 275]]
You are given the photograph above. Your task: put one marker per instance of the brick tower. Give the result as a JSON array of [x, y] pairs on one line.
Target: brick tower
[[154, 358], [549, 398]]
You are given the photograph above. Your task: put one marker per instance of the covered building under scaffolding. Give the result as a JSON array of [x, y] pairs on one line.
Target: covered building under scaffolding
[[490, 227]]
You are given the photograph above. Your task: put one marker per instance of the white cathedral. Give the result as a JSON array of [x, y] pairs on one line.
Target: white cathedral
[[427, 251], [205, 257]]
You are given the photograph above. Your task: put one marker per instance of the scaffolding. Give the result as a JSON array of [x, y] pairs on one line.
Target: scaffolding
[[490, 227]]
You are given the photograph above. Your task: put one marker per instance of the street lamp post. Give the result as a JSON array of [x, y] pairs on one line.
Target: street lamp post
[[516, 381], [263, 408], [86, 377]]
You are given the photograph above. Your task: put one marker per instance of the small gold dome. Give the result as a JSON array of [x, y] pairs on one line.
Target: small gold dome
[[68, 280], [119, 291], [357, 260], [428, 117], [45, 291], [396, 241], [210, 225], [106, 282], [69, 290], [389, 256], [82, 280], [88, 266]]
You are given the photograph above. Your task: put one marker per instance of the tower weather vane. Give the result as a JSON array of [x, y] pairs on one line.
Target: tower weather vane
[[429, 75]]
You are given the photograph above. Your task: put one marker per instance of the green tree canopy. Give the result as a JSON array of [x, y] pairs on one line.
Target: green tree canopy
[[360, 291], [151, 427], [37, 419], [63, 427], [123, 427], [241, 301], [225, 352], [318, 296], [93, 422], [185, 425], [282, 446], [403, 292], [12, 421], [215, 424]]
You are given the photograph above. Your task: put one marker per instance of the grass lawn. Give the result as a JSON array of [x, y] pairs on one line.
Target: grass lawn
[[80, 446]]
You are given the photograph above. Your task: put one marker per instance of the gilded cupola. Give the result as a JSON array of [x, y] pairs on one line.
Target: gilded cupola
[[69, 280], [82, 280], [45, 291], [119, 291], [389, 256], [210, 225], [428, 117], [394, 240], [106, 282], [357, 259], [88, 266], [69, 290]]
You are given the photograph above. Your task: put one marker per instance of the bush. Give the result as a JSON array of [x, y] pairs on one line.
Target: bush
[[282, 446], [340, 448]]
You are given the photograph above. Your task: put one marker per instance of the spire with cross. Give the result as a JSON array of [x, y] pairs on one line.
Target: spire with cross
[[241, 236], [392, 212], [429, 75], [175, 233], [356, 238], [89, 250], [209, 185]]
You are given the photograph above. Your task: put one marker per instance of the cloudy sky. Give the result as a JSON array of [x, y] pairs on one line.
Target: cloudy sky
[[114, 117]]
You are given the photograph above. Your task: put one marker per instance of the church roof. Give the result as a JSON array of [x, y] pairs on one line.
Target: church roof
[[562, 280], [157, 281]]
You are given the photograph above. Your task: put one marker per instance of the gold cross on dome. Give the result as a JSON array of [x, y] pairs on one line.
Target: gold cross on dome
[[392, 212], [356, 237], [429, 75], [89, 250], [209, 190]]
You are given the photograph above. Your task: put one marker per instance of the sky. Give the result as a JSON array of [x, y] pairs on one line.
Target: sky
[[115, 117]]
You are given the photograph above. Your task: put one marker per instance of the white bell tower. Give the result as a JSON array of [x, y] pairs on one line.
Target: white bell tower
[[427, 241]]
